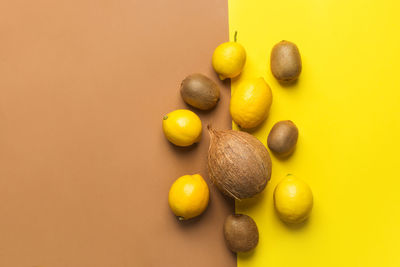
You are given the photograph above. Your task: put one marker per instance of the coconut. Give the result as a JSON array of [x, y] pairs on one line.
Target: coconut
[[238, 163]]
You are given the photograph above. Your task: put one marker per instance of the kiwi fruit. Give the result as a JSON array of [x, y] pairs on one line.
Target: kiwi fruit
[[282, 138], [200, 91], [285, 62], [240, 232]]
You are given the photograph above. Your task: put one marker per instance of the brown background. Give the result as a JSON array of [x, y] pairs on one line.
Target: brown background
[[84, 166]]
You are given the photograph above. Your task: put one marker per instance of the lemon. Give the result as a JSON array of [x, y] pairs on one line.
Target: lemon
[[188, 196], [250, 103], [293, 200], [182, 127], [228, 60]]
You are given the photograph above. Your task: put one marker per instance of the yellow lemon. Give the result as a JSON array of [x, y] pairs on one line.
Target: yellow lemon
[[293, 200], [228, 60], [188, 196], [182, 127], [250, 103]]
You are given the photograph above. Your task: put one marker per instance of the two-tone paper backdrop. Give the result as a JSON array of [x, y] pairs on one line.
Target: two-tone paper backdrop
[[84, 166]]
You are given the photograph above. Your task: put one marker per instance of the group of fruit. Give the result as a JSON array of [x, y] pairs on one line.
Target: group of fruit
[[239, 165]]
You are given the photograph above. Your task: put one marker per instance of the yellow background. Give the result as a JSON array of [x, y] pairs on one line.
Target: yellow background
[[346, 105]]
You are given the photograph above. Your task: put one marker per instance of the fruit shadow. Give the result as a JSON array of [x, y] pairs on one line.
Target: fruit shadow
[[182, 149], [262, 126], [248, 203], [226, 200], [255, 129], [226, 83], [201, 112], [294, 227], [289, 85], [284, 158], [246, 256], [190, 223]]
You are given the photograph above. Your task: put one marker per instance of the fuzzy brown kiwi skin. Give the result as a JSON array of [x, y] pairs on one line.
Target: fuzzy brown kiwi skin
[[282, 138], [240, 233], [286, 62], [199, 91]]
